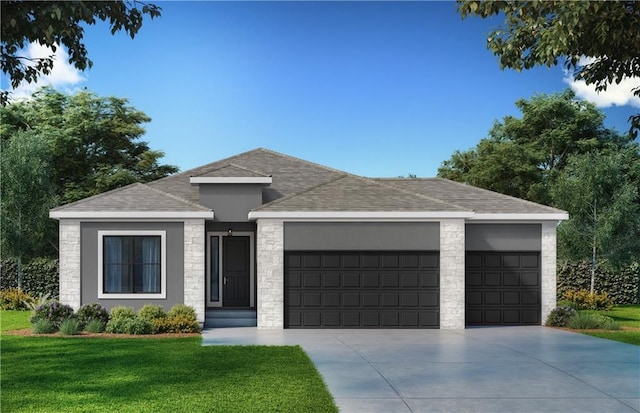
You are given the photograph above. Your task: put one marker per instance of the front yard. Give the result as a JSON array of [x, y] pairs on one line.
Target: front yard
[[629, 318], [75, 374]]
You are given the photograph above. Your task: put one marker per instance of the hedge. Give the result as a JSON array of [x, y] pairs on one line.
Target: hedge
[[620, 284], [39, 276]]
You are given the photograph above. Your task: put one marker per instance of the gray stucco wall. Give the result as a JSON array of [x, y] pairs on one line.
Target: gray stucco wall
[[235, 226], [175, 262], [503, 237], [231, 202], [372, 236]]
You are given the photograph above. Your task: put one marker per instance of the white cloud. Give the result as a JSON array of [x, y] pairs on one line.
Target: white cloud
[[63, 76], [617, 94]]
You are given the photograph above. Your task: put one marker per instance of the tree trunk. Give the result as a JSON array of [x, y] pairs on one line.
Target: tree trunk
[[19, 272]]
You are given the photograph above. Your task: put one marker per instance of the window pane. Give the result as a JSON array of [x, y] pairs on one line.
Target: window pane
[[132, 264], [215, 266]]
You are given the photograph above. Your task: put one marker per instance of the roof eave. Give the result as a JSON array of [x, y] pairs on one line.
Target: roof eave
[[551, 216], [131, 214], [355, 215]]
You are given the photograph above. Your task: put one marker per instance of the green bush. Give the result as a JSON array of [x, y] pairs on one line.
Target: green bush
[[38, 301], [176, 324], [585, 300], [588, 321], [53, 311], [70, 327], [560, 316], [95, 326], [39, 276], [93, 311], [42, 326], [151, 312], [182, 310], [124, 325], [122, 312], [621, 284], [15, 299]]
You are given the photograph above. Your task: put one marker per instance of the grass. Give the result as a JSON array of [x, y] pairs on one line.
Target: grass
[[153, 375], [627, 316]]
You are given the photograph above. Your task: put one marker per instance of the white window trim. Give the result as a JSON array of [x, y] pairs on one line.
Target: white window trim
[[163, 264]]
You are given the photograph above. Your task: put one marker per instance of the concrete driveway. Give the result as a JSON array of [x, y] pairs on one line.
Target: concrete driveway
[[497, 369]]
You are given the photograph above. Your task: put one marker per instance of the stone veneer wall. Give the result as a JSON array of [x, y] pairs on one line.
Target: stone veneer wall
[[452, 273], [548, 268], [270, 277], [69, 247], [194, 266]]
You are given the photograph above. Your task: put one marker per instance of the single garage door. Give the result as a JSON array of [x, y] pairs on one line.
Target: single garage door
[[361, 289], [502, 288]]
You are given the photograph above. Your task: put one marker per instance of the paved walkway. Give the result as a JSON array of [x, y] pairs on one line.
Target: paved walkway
[[498, 369]]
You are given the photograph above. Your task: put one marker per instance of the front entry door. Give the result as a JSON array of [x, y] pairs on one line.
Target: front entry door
[[236, 271]]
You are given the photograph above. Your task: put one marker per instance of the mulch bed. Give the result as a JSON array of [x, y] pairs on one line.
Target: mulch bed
[[28, 333]]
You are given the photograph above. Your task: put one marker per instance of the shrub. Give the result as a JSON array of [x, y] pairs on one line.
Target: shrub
[[585, 300], [567, 303], [42, 326], [14, 299], [93, 311], [95, 326], [125, 325], [53, 311], [35, 302], [39, 276], [588, 321], [122, 312], [176, 324], [560, 316], [182, 310], [621, 283], [70, 327], [151, 312]]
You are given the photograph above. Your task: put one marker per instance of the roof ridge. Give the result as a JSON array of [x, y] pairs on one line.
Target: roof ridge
[[227, 166], [177, 198], [286, 198], [426, 197], [498, 193], [305, 161], [97, 196]]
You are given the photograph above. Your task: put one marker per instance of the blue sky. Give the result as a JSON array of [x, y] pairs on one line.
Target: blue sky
[[373, 88]]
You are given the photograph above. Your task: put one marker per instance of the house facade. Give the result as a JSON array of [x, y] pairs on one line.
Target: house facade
[[302, 245]]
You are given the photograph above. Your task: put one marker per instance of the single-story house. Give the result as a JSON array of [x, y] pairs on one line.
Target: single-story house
[[294, 244]]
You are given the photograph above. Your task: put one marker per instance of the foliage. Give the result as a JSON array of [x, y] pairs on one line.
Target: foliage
[[182, 310], [52, 311], [14, 299], [621, 284], [92, 311], [95, 326], [57, 24], [560, 316], [42, 326], [34, 303], [122, 312], [589, 321], [521, 156], [25, 197], [70, 327], [542, 33], [176, 324], [126, 325], [151, 312], [586, 300], [39, 276]]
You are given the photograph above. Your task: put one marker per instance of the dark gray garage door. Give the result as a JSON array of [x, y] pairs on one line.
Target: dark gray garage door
[[361, 289], [502, 288]]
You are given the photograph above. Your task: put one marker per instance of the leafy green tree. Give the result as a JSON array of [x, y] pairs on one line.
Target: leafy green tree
[[600, 190], [521, 156], [25, 197], [94, 141], [59, 23], [544, 32]]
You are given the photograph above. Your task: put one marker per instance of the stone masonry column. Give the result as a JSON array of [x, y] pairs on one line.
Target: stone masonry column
[[548, 268], [69, 247], [270, 269], [194, 266], [452, 273]]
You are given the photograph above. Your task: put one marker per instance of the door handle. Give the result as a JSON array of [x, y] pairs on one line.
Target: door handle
[[224, 280]]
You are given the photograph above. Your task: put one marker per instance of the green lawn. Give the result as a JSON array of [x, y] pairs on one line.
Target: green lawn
[[45, 374], [627, 316]]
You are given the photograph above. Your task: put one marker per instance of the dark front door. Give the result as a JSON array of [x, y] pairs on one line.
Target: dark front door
[[235, 271]]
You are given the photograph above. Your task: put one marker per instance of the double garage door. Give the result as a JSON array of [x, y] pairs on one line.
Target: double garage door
[[361, 289]]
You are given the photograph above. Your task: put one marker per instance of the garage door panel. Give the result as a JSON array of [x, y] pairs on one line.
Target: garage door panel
[[502, 288], [366, 290]]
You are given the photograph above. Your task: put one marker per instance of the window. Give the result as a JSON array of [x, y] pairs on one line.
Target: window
[[131, 264]]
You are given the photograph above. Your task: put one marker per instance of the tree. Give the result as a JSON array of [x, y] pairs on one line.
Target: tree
[[25, 197], [59, 23], [521, 156], [544, 32], [94, 141], [600, 190]]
